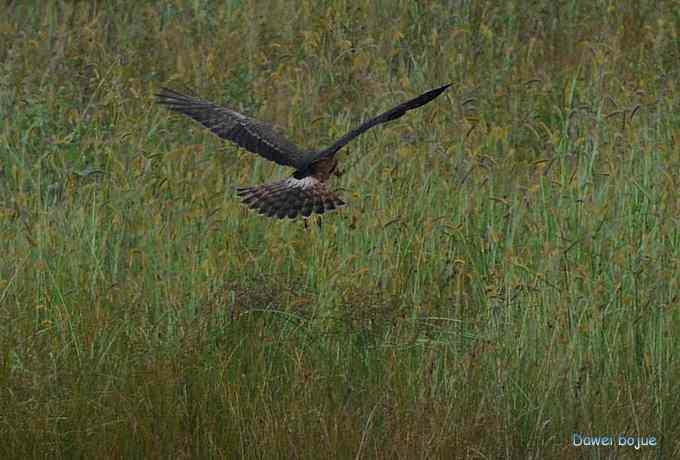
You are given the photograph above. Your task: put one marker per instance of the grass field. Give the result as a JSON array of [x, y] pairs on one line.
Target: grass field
[[506, 274]]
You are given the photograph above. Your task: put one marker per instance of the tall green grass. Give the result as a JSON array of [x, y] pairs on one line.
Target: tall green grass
[[506, 272]]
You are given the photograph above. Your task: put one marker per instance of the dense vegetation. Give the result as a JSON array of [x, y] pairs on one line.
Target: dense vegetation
[[507, 271]]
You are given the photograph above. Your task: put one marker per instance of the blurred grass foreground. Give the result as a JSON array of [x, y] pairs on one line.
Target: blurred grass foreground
[[506, 274]]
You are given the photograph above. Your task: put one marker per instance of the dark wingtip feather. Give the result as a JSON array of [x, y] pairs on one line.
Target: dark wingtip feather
[[173, 99], [428, 96], [442, 88], [164, 93]]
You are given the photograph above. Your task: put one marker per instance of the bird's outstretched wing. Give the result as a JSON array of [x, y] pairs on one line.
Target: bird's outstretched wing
[[253, 135], [391, 114]]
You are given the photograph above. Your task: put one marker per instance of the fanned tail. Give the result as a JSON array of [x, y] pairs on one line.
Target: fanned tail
[[290, 198]]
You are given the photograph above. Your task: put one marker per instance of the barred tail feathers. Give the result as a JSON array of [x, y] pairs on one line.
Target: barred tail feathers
[[290, 198]]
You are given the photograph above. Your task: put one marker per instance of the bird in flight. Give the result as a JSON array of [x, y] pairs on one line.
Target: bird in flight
[[303, 193]]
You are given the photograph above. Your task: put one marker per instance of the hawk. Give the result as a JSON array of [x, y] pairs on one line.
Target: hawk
[[303, 193]]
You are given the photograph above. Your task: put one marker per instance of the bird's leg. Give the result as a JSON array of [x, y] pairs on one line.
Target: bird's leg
[[313, 218]]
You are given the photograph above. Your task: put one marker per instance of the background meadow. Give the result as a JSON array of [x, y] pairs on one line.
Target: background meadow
[[507, 271]]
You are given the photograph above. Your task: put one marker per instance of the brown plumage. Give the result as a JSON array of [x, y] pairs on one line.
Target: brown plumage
[[290, 197], [305, 192]]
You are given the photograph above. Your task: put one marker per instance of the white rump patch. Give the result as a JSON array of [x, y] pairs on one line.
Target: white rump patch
[[305, 183], [236, 114]]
